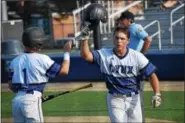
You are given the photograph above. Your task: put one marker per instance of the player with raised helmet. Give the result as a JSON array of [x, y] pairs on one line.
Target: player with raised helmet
[[123, 69], [28, 74]]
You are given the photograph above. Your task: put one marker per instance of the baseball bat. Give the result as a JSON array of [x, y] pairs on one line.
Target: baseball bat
[[52, 96]]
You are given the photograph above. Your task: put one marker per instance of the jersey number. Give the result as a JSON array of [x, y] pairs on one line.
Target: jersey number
[[25, 74]]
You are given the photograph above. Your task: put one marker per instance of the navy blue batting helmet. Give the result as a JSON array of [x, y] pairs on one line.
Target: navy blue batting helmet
[[34, 37], [96, 13]]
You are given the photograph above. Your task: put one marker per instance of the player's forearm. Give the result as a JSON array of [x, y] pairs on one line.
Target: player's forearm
[[154, 83], [146, 45], [145, 48], [65, 64], [65, 67], [85, 51]]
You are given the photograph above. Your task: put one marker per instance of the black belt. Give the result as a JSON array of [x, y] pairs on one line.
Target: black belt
[[126, 95], [29, 91]]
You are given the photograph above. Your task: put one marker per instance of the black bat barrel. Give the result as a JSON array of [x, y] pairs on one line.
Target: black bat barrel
[[49, 97], [97, 37]]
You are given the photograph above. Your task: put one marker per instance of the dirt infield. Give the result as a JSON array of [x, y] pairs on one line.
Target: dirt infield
[[85, 119], [100, 86]]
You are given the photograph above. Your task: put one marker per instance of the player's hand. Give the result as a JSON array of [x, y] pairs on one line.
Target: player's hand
[[156, 100], [85, 30], [68, 46]]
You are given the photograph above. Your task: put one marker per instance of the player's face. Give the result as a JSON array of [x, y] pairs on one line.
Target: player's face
[[120, 41]]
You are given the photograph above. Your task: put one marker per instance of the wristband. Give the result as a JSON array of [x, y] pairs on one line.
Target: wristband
[[67, 56], [157, 94], [84, 38]]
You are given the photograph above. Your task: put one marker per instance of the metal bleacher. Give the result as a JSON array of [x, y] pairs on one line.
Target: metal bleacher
[[163, 16]]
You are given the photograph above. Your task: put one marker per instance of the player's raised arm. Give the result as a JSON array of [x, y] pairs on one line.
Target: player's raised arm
[[94, 14], [85, 52], [84, 47], [66, 62]]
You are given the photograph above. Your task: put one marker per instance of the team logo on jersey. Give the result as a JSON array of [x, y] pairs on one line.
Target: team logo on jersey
[[139, 30], [120, 69]]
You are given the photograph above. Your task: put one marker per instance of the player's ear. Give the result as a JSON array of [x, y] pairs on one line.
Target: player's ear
[[128, 41]]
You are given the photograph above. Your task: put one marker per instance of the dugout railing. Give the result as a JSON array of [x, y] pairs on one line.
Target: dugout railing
[[172, 23], [158, 33], [113, 15]]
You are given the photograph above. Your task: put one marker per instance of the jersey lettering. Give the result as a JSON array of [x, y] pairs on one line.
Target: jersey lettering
[[122, 69]]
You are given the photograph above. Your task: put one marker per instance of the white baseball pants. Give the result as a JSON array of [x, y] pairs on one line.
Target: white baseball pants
[[27, 108], [124, 109]]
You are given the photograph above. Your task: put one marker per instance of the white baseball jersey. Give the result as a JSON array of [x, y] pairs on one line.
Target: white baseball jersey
[[123, 74], [32, 69], [29, 73]]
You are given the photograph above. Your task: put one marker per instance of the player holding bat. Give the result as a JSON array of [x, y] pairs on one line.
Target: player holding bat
[[28, 74]]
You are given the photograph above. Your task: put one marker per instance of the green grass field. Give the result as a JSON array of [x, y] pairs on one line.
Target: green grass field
[[93, 103]]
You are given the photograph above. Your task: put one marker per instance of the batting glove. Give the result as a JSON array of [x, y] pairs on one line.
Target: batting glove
[[85, 31], [156, 100]]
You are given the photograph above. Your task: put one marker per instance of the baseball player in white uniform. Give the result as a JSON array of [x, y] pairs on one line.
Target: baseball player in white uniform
[[139, 40], [123, 70], [28, 74]]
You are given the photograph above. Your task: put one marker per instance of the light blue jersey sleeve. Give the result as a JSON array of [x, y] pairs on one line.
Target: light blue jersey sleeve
[[137, 35], [31, 71], [140, 32]]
